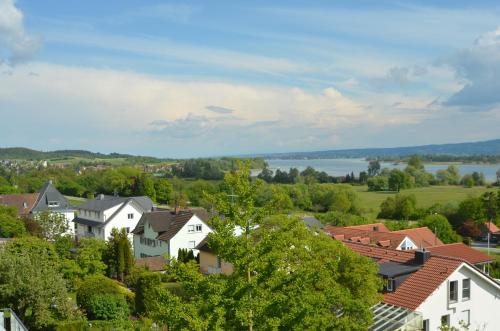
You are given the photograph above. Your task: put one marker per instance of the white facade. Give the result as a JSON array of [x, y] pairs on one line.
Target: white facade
[[481, 309], [407, 244], [127, 216], [188, 237]]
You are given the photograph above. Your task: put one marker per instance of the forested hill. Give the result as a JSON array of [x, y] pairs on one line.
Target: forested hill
[[490, 147], [21, 153]]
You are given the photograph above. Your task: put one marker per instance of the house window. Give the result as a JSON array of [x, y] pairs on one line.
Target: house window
[[53, 204], [130, 216], [445, 320], [192, 244], [425, 325], [128, 230], [466, 289], [190, 228], [389, 284], [145, 255], [76, 226], [198, 227], [453, 295], [89, 229], [465, 317]]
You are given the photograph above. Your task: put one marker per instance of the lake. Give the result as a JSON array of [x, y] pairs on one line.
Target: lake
[[341, 167]]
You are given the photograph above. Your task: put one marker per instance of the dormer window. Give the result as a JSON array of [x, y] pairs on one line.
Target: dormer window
[[53, 204], [389, 284], [25, 205]]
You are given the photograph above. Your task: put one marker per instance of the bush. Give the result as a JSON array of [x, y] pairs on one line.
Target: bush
[[102, 298], [107, 307]]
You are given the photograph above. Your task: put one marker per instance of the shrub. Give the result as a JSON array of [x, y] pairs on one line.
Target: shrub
[[102, 298]]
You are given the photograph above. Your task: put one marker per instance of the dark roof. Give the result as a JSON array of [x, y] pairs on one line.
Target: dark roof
[[104, 202], [393, 269], [19, 200], [312, 222], [167, 223], [84, 221], [152, 263], [203, 246], [49, 193]]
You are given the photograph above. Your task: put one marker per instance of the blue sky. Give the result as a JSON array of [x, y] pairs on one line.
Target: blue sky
[[202, 78]]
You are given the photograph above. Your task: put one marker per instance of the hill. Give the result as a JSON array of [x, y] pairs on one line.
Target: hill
[[21, 153], [490, 147]]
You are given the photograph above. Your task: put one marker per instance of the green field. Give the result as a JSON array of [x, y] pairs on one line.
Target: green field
[[426, 196]]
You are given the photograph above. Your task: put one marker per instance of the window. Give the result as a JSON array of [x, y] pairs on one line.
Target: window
[[145, 255], [219, 262], [128, 230], [198, 227], [190, 228], [53, 204], [76, 226], [425, 325], [453, 288], [389, 284], [466, 289], [445, 320], [192, 244], [130, 216], [465, 317], [89, 229]]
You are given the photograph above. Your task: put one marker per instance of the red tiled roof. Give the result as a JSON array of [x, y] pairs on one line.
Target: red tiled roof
[[152, 263], [422, 237], [381, 254], [380, 227], [491, 227], [422, 283], [19, 201], [462, 251], [388, 239]]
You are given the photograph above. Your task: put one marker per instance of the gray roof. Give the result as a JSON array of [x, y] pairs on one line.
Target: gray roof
[[49, 193], [84, 221], [312, 222], [104, 202], [393, 269]]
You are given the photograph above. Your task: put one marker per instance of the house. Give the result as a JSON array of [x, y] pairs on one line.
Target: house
[[491, 229], [164, 232], [97, 217], [399, 241], [210, 263], [439, 289], [459, 250], [24, 203], [312, 222], [422, 236], [47, 198]]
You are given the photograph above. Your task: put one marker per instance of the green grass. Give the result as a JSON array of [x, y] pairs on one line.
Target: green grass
[[75, 201], [426, 196]]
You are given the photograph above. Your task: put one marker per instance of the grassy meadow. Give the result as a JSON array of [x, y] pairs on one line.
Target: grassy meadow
[[426, 196]]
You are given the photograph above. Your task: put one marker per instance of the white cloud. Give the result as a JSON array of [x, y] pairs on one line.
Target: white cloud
[[15, 44], [112, 109]]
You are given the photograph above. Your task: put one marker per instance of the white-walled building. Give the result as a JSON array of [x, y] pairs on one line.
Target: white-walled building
[[164, 232], [437, 289], [97, 217]]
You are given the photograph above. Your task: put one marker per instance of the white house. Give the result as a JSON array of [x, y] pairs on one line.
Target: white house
[[433, 290], [97, 217], [164, 232]]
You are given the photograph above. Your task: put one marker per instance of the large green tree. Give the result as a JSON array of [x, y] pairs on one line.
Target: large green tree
[[441, 228], [118, 254]]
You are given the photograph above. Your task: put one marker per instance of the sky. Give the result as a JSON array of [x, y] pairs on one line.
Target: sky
[[209, 78]]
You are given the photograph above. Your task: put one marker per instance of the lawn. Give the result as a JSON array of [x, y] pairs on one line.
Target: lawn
[[426, 196]]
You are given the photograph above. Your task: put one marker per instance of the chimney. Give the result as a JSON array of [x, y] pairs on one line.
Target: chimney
[[177, 210], [421, 256], [375, 228]]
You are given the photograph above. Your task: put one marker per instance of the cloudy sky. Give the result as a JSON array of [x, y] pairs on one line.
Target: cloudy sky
[[202, 78]]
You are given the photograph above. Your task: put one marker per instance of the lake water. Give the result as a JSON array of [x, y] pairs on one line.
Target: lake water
[[341, 167]]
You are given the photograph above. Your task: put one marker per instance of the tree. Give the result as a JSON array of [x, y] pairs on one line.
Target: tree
[[144, 185], [30, 283], [89, 256], [415, 161], [498, 176], [373, 168], [164, 190], [10, 225], [470, 229], [441, 228], [378, 183], [471, 209], [118, 255], [52, 225], [363, 177], [399, 180], [266, 175], [399, 207], [299, 281]]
